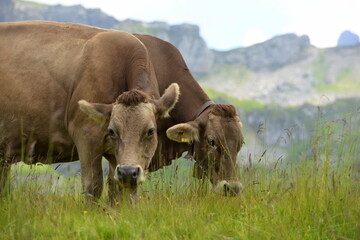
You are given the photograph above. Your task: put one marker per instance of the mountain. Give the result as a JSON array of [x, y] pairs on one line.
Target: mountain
[[6, 10], [348, 38], [23, 10], [186, 37], [286, 70]]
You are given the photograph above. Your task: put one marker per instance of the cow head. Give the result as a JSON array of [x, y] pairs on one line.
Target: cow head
[[132, 130], [217, 138]]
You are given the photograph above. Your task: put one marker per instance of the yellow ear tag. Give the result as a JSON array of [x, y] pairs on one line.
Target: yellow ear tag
[[185, 140]]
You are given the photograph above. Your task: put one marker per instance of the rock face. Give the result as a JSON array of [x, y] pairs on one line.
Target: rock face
[[348, 38], [74, 14], [186, 37], [197, 55], [6, 10], [269, 55], [318, 76]]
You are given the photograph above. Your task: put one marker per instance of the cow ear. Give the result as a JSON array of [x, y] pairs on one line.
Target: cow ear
[[184, 132], [97, 111], [167, 101]]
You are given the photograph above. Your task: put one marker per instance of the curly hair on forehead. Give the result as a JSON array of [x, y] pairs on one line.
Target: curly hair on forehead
[[132, 98], [223, 110]]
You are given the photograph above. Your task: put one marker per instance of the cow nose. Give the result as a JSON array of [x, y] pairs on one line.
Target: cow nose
[[128, 174], [232, 189], [228, 188]]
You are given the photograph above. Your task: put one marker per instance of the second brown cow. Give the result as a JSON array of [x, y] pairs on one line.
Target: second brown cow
[[210, 133]]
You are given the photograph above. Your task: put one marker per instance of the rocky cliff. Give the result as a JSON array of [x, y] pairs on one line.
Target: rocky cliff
[[6, 10], [186, 37], [267, 56], [23, 10], [310, 75]]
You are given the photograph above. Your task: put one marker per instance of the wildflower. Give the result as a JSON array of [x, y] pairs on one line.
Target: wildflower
[[85, 212]]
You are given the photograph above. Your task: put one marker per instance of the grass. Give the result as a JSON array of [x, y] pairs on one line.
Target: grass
[[140, 27], [36, 4], [319, 69], [239, 74], [346, 82], [246, 104], [312, 196]]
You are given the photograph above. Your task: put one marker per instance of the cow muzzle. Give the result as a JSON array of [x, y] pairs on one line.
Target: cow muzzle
[[129, 175], [228, 188]]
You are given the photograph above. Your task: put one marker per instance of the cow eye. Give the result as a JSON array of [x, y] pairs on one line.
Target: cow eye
[[111, 132], [151, 132], [211, 142]]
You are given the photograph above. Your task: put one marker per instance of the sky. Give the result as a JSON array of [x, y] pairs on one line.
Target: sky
[[228, 24]]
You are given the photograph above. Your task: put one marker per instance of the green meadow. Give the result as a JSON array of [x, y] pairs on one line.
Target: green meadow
[[312, 194]]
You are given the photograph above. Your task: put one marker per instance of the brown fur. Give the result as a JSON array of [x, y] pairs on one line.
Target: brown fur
[[132, 98], [53, 67], [223, 110]]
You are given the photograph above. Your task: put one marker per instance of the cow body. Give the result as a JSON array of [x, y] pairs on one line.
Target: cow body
[[46, 68]]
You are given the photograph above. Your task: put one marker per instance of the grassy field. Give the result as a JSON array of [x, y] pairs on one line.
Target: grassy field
[[316, 195]]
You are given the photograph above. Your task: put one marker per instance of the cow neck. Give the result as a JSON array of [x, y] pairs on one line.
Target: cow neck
[[192, 103]]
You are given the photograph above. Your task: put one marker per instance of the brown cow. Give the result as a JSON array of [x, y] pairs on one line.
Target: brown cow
[[211, 133], [48, 70]]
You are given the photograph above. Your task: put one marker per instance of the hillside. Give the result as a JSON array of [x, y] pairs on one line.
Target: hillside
[[287, 71]]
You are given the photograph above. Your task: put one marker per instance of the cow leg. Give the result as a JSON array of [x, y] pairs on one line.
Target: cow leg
[[5, 167], [114, 188], [91, 170]]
